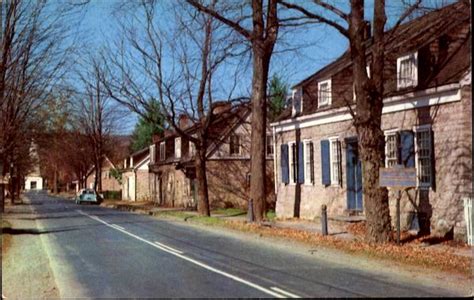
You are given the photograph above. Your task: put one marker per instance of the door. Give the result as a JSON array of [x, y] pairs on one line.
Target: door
[[354, 176], [33, 185]]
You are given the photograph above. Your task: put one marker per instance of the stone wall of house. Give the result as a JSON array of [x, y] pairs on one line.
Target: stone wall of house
[[442, 205], [128, 186], [175, 187], [228, 183], [143, 185]]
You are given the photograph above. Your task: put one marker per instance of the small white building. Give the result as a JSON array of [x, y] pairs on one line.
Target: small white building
[[34, 181]]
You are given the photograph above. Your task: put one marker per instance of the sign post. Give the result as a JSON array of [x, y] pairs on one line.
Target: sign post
[[398, 178]]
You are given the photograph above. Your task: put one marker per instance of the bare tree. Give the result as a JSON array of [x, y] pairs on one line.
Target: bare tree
[[262, 36], [33, 58], [181, 66], [94, 114], [369, 91]]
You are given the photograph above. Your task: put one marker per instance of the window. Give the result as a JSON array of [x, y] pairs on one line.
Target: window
[[324, 93], [309, 162], [269, 146], [177, 147], [152, 154], [162, 151], [234, 144], [335, 153], [407, 70], [297, 101], [293, 164], [423, 155], [391, 149]]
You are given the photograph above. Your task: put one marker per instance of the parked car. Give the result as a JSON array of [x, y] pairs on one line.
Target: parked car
[[87, 195]]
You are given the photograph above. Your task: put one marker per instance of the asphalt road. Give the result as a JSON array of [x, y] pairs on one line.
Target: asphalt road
[[101, 252]]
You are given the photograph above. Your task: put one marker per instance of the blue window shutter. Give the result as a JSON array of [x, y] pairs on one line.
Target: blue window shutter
[[407, 153], [325, 162], [300, 163], [284, 164], [433, 162]]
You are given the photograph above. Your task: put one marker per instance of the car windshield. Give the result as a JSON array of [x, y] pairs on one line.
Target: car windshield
[[89, 192]]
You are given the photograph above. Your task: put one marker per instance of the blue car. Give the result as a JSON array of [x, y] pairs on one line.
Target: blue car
[[87, 195]]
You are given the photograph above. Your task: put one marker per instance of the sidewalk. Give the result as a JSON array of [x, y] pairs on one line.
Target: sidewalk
[[338, 229], [26, 272]]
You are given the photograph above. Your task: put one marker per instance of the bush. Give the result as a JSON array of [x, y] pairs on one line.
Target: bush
[[113, 195]]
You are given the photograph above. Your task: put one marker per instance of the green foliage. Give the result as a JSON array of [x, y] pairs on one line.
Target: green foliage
[[117, 175], [277, 89], [153, 124]]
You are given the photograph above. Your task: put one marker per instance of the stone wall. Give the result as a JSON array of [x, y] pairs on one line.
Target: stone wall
[[143, 185], [442, 204]]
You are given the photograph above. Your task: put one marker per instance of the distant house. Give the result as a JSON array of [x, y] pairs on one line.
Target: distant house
[[34, 180], [136, 176], [109, 182], [173, 172], [426, 119]]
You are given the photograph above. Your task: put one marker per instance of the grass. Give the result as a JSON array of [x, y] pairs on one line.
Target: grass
[[271, 215], [228, 211], [6, 238]]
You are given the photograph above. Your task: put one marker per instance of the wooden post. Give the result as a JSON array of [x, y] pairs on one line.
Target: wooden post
[[399, 195], [250, 212], [324, 220]]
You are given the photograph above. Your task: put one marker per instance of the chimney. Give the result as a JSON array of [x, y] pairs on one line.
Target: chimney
[[184, 121], [221, 106], [367, 30], [156, 137]]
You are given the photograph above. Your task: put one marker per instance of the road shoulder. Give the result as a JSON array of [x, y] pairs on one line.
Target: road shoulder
[[26, 271]]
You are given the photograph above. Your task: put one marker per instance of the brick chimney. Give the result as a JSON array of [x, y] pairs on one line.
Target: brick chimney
[[184, 121], [221, 106]]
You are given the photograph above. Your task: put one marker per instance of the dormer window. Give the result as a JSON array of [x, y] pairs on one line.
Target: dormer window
[[152, 154], [162, 151], [234, 145], [324, 93], [407, 71], [177, 147], [297, 102]]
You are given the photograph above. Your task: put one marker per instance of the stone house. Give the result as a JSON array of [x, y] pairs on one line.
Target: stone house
[[228, 162], [136, 176], [426, 119], [109, 183]]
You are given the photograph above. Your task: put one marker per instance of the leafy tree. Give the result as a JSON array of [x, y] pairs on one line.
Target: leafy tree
[[278, 91], [153, 124]]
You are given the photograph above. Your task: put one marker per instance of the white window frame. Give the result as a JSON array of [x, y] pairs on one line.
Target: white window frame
[[192, 148], [334, 181], [307, 161], [329, 101], [152, 154], [416, 130], [413, 81], [239, 144], [292, 166], [388, 133], [162, 151], [272, 146], [177, 147], [296, 93]]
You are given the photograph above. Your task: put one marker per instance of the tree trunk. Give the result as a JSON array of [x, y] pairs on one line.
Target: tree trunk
[[261, 63], [200, 164], [55, 181], [371, 148]]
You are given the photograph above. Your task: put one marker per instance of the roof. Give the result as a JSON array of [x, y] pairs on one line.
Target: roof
[[221, 125], [407, 38]]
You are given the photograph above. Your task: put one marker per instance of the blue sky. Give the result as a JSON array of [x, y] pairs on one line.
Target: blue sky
[[317, 46]]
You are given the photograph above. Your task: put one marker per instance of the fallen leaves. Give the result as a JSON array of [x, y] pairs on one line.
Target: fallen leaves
[[410, 253]]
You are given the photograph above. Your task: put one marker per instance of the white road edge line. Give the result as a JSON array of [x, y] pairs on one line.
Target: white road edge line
[[117, 226], [169, 248], [291, 295], [203, 265]]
